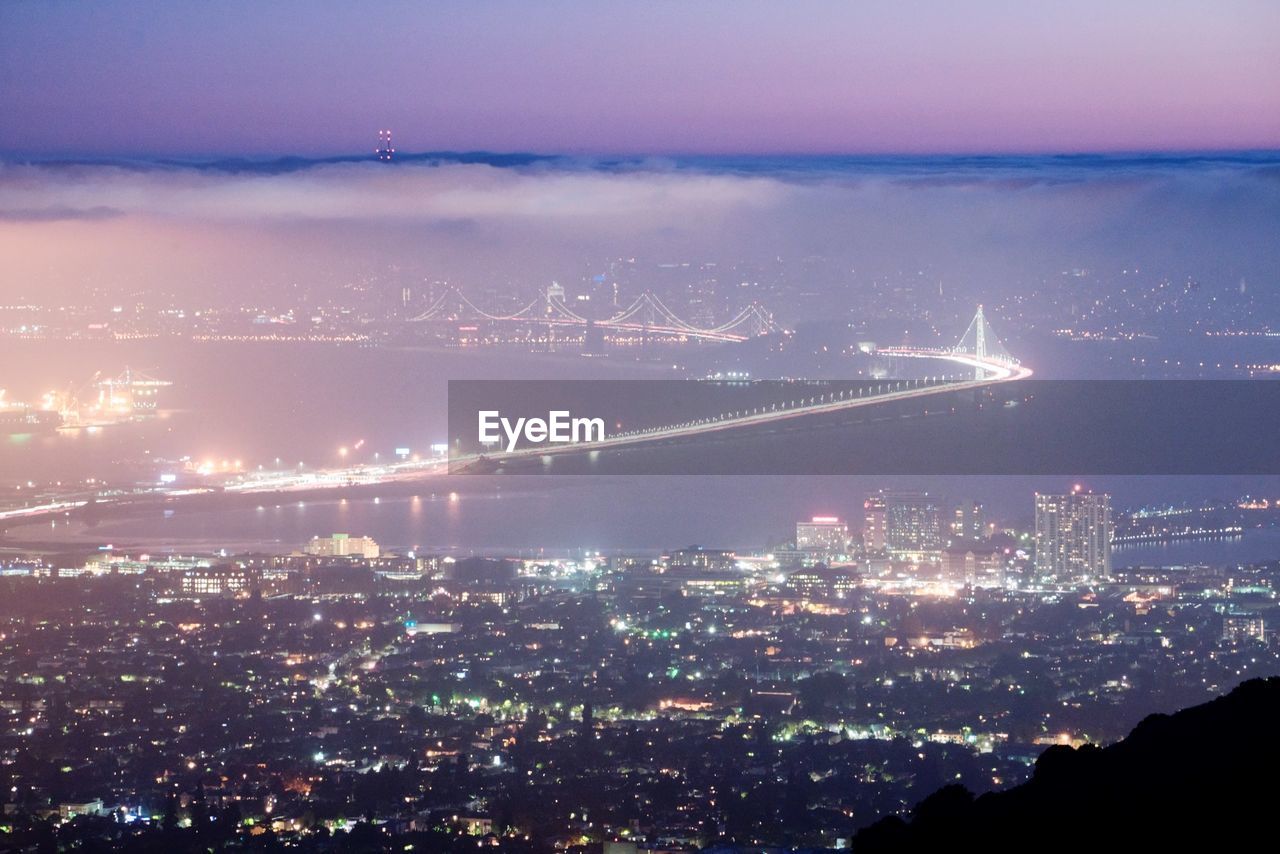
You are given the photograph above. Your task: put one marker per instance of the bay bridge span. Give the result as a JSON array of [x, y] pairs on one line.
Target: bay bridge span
[[982, 358], [978, 360], [647, 316]]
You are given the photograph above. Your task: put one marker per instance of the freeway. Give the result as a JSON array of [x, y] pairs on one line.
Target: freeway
[[987, 372]]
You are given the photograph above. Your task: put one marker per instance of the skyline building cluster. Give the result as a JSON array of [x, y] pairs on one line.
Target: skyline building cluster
[[915, 534], [485, 699]]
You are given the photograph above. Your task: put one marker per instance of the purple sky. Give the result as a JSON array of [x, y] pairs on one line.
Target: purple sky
[[600, 76]]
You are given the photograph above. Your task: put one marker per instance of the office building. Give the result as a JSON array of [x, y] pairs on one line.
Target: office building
[[973, 563], [825, 535], [1238, 628], [822, 582], [912, 523], [214, 581], [342, 545], [873, 522], [697, 557]]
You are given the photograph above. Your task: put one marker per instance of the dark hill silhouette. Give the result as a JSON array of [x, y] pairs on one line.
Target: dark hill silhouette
[[1198, 780]]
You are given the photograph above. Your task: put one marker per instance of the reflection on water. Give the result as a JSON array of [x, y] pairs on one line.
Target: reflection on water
[[1253, 546], [498, 520], [513, 515], [258, 402]]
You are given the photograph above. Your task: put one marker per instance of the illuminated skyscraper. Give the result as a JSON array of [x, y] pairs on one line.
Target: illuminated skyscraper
[[873, 523], [912, 522], [1073, 536]]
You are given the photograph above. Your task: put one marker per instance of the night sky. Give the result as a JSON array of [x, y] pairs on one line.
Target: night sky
[[197, 78]]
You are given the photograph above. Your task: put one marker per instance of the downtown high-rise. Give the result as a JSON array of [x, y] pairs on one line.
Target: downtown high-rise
[[1073, 536]]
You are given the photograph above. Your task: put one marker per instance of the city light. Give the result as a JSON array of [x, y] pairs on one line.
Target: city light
[[865, 416]]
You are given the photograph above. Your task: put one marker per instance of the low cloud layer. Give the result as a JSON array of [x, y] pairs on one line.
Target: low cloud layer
[[67, 228]]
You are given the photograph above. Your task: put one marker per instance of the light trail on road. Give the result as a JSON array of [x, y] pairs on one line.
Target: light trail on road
[[999, 371]]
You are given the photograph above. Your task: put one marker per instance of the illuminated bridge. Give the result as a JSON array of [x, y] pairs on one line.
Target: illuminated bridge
[[979, 353], [984, 358], [648, 315]]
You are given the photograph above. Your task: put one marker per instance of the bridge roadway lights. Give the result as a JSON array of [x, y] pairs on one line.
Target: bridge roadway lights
[[1000, 367], [1000, 371], [657, 314]]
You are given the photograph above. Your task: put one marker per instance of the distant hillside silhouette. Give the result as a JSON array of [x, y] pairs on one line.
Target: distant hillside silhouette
[[1196, 780]]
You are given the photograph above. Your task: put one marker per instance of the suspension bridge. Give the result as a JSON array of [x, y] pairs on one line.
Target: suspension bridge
[[647, 316], [978, 348], [979, 352]]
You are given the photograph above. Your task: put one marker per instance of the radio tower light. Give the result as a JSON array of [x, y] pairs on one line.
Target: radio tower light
[[385, 151]]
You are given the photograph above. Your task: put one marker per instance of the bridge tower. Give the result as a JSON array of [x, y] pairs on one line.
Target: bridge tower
[[554, 296], [980, 344], [761, 322]]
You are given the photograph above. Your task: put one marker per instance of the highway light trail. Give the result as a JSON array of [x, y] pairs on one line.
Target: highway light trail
[[988, 372]]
